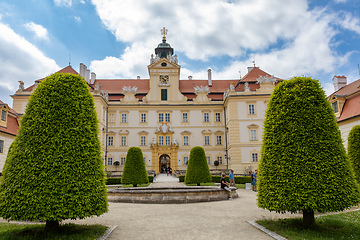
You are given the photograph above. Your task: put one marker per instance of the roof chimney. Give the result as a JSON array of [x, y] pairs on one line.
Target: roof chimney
[[339, 82], [87, 75], [138, 77], [249, 69], [93, 77], [209, 77], [82, 70], [190, 77]]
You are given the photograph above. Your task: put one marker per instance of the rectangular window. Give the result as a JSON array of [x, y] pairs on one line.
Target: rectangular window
[[163, 94], [143, 140], [143, 118], [217, 117], [254, 157], [206, 117], [145, 160], [161, 117], [219, 159], [110, 161], [161, 140], [123, 140], [3, 115], [208, 159], [185, 160], [111, 141], [111, 117], [251, 109], [122, 160], [1, 146], [185, 117], [186, 140], [207, 140], [218, 140], [335, 106], [167, 117], [253, 135], [124, 118], [167, 140]]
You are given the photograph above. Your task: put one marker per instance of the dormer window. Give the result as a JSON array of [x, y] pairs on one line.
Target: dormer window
[[3, 115], [335, 106]]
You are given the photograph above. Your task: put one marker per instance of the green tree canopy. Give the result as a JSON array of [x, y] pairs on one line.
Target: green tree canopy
[[54, 169], [303, 165], [354, 150], [134, 170], [197, 168]]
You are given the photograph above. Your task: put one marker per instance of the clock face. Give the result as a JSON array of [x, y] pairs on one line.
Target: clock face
[[164, 79]]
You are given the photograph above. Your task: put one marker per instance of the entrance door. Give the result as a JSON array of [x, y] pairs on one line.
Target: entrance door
[[164, 163]]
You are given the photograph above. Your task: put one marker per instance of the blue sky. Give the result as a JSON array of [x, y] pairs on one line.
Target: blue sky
[[115, 39]]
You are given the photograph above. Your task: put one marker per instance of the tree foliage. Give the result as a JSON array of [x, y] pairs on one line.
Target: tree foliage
[[303, 164], [354, 150], [197, 168], [54, 169], [134, 170]]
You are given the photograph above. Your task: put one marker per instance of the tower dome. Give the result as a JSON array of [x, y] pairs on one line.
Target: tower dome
[[164, 50]]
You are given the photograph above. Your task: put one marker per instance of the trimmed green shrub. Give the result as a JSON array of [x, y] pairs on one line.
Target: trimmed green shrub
[[182, 178], [151, 178], [54, 169], [303, 165], [134, 170], [242, 179], [354, 151], [113, 181], [197, 168]]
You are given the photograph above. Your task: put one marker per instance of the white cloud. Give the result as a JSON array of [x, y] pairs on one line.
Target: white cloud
[[21, 61], [77, 19], [286, 39], [349, 22], [39, 30]]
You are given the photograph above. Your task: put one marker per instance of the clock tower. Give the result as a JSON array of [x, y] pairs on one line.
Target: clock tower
[[164, 73]]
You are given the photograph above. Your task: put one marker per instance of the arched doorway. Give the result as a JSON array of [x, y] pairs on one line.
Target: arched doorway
[[164, 163]]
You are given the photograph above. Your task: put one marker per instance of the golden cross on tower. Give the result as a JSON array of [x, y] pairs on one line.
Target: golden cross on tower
[[164, 32]]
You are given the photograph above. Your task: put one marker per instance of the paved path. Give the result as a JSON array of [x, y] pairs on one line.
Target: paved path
[[210, 220], [163, 180]]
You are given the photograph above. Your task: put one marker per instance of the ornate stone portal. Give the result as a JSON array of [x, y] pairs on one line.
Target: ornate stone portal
[[164, 149]]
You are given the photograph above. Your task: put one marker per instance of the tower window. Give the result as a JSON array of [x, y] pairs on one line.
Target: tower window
[[163, 94]]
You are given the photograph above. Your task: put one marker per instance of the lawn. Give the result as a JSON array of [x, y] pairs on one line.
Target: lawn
[[334, 226], [11, 231]]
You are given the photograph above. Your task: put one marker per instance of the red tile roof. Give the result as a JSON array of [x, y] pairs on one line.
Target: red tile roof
[[349, 89], [351, 93], [351, 108], [254, 74], [67, 69], [12, 124]]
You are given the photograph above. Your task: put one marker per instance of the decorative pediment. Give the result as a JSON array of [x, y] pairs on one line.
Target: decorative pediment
[[267, 84], [185, 133], [143, 133], [164, 128], [218, 132], [129, 95], [123, 132], [206, 131], [253, 126], [202, 93], [111, 133]]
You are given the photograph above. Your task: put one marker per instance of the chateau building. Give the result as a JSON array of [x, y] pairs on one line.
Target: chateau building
[[9, 124], [346, 103], [166, 116]]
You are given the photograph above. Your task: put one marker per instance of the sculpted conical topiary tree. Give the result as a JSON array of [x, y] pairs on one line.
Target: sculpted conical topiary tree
[[54, 169], [303, 165], [134, 170], [354, 151], [197, 168]]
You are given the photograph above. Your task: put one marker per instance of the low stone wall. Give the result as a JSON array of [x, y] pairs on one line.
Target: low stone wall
[[169, 195]]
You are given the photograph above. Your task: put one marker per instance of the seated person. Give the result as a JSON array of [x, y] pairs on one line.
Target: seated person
[[225, 185]]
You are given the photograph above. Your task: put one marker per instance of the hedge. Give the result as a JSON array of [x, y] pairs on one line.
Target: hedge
[[216, 179], [54, 169]]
